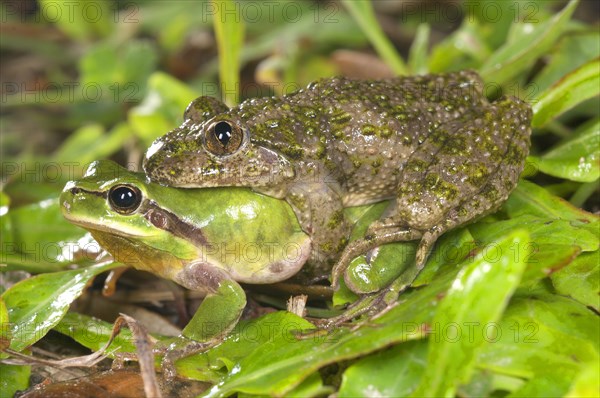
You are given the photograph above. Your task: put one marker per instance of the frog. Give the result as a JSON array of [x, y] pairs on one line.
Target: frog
[[432, 145], [209, 240], [206, 240]]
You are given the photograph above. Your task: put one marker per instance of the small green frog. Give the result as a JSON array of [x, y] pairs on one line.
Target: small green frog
[[204, 239], [433, 144]]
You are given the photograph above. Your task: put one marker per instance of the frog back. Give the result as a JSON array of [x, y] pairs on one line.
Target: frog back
[[466, 167], [360, 133]]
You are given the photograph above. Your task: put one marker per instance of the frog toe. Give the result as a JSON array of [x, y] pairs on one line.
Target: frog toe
[[425, 247], [182, 347]]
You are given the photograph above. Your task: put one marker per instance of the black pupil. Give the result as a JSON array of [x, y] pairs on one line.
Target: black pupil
[[223, 132], [124, 197]]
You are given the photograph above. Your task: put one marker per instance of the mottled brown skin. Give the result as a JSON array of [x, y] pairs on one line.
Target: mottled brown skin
[[433, 143]]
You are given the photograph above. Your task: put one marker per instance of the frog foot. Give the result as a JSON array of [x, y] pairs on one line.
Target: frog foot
[[327, 326], [380, 233], [375, 237], [372, 305], [178, 348], [171, 350]]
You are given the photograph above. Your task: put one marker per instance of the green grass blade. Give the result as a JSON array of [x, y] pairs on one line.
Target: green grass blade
[[575, 159], [362, 12], [417, 57], [229, 30], [572, 89], [531, 42]]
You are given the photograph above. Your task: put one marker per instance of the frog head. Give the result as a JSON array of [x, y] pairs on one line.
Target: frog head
[[215, 146], [251, 237], [115, 205]]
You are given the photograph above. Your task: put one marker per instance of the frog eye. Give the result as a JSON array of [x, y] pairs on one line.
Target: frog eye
[[124, 199], [223, 138]]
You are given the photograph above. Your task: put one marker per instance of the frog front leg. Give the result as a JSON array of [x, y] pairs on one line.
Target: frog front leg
[[217, 315], [319, 209]]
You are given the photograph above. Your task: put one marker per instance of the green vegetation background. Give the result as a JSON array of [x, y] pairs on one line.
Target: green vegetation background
[[89, 80]]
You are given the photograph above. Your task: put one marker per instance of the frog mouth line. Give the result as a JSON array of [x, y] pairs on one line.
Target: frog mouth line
[[103, 228], [67, 206]]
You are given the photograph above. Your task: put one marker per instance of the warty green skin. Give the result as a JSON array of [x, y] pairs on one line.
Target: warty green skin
[[434, 144], [206, 239]]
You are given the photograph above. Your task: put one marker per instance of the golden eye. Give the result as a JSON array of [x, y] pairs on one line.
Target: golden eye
[[223, 138]]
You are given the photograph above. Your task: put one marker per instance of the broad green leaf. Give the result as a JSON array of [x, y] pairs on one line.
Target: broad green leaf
[[172, 36], [245, 338], [574, 88], [312, 386], [463, 49], [89, 143], [336, 29], [363, 14], [389, 262], [394, 372], [541, 387], [587, 382], [544, 259], [495, 18], [280, 365], [14, 378], [451, 356], [117, 74], [343, 295], [545, 339], [37, 304], [573, 50], [531, 199], [229, 30], [80, 141], [94, 333], [542, 231], [578, 159], [385, 266], [580, 280], [40, 239], [522, 51], [162, 108], [43, 173]]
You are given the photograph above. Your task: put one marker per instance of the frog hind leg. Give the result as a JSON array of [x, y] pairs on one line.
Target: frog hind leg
[[216, 316], [463, 170], [487, 190], [372, 239], [377, 303]]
